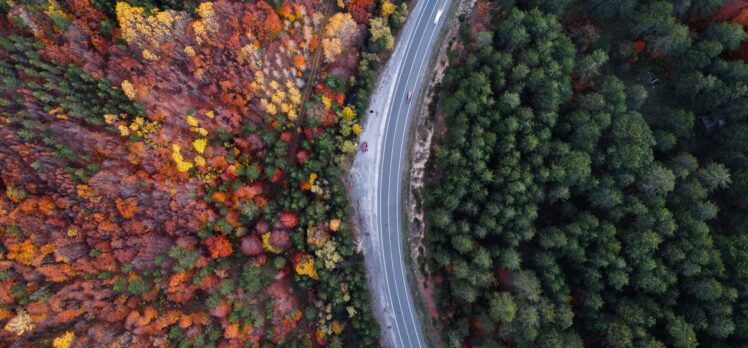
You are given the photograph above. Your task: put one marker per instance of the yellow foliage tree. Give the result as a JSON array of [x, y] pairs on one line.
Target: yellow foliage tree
[[142, 30], [326, 102], [148, 55], [329, 255], [143, 128], [64, 340], [336, 327], [110, 118], [72, 232], [199, 161], [266, 243], [339, 32], [341, 25], [199, 145], [292, 116], [331, 48], [123, 131], [278, 97], [271, 109], [348, 113], [128, 89], [176, 155], [22, 252], [380, 30], [294, 95], [349, 147], [207, 22], [388, 8], [191, 121], [305, 266], [20, 324], [205, 10]]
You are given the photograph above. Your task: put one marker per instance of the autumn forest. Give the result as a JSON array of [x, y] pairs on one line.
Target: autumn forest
[[171, 171]]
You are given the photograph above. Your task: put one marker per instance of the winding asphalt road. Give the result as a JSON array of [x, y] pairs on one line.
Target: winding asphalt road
[[406, 329]]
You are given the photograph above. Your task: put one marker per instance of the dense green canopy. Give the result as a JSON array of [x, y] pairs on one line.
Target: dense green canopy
[[590, 190]]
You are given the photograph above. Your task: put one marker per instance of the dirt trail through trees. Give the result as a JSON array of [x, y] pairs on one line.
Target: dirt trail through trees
[[294, 145]]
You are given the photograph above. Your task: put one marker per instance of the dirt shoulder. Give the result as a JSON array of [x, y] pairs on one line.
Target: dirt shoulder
[[421, 137]]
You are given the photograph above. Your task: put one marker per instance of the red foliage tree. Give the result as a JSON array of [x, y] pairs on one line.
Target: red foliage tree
[[218, 246], [288, 219]]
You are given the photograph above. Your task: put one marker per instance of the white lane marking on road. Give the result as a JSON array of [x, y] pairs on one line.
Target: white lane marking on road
[[398, 333], [409, 108], [397, 199], [405, 117]]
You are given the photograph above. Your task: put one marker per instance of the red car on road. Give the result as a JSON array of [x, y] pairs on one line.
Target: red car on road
[[364, 146]]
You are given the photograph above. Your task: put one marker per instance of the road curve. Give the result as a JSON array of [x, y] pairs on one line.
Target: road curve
[[392, 109]]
